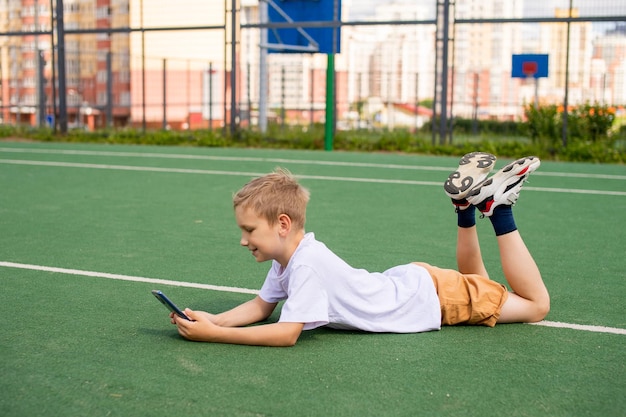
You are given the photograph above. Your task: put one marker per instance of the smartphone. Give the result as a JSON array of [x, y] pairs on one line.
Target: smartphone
[[169, 304]]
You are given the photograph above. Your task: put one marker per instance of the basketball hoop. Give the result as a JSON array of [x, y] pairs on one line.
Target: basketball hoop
[[529, 68]]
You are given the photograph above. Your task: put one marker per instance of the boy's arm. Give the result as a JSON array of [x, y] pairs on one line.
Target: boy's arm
[[249, 312], [204, 330]]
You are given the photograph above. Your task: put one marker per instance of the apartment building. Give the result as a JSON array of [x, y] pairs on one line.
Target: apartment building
[[97, 74], [24, 61], [180, 78], [576, 69], [608, 76], [483, 86]]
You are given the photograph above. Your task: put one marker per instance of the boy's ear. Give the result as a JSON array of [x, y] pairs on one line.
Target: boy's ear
[[284, 223]]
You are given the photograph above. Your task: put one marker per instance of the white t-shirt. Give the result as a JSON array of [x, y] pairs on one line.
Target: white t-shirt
[[321, 289]]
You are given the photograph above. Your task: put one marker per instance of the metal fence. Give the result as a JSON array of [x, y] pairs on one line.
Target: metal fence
[[197, 64]]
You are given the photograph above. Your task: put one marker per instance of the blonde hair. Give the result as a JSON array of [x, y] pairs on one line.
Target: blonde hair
[[274, 194]]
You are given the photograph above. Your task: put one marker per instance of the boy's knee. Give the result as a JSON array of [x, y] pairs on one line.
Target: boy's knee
[[541, 310]]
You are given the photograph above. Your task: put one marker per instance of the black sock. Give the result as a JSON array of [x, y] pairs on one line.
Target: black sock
[[467, 217], [502, 220]]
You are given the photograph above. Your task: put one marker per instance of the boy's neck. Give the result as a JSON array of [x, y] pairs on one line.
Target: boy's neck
[[292, 241]]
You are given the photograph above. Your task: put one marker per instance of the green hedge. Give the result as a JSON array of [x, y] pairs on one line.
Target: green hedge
[[505, 140]]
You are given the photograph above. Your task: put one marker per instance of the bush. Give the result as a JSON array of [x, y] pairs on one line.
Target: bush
[[495, 127], [585, 123]]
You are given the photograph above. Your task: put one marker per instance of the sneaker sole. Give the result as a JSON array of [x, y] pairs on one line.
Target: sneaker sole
[[494, 191], [473, 169]]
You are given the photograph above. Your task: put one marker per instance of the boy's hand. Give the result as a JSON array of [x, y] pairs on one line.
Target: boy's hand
[[201, 329], [210, 316]]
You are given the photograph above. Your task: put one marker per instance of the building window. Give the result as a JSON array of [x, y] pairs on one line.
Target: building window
[[103, 12], [102, 98], [102, 77], [124, 98], [123, 77]]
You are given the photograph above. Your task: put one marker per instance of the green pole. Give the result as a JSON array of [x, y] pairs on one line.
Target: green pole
[[330, 103]]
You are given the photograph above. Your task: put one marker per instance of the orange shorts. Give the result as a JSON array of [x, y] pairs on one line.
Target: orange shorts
[[467, 299]]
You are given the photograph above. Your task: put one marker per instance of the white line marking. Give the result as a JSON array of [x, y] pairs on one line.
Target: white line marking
[[125, 167], [256, 174], [281, 160], [598, 329], [127, 278], [574, 190]]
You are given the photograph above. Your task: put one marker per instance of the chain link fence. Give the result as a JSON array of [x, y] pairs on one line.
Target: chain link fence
[[198, 65]]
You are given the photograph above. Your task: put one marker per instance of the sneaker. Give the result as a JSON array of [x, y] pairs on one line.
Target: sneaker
[[473, 169], [504, 186]]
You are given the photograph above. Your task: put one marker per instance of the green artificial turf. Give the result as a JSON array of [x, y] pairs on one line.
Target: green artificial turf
[[75, 345]]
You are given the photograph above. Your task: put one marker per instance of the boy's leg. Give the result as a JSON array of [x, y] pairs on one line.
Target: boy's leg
[[473, 169], [469, 258], [530, 300]]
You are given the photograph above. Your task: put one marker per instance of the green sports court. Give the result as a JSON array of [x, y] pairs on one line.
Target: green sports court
[[87, 231]]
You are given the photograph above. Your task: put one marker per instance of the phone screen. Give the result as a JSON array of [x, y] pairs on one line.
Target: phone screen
[[169, 304]]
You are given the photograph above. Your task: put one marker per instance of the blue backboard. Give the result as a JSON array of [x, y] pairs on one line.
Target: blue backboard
[[312, 40], [529, 65]]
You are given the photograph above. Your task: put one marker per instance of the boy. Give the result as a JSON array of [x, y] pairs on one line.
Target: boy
[[321, 289]]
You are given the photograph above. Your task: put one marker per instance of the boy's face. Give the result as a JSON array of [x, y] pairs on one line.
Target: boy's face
[[258, 236]]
